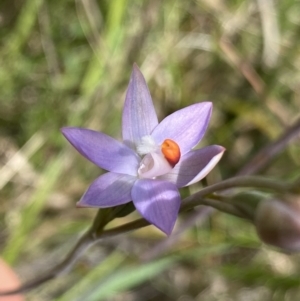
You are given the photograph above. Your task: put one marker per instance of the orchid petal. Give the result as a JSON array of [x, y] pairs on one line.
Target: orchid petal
[[103, 150], [186, 126], [139, 117], [158, 202], [194, 166], [109, 190]]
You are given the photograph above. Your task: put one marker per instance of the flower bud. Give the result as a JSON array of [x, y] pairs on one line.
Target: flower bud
[[278, 223]]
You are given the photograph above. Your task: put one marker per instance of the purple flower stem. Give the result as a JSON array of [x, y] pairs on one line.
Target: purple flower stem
[[267, 153], [246, 181]]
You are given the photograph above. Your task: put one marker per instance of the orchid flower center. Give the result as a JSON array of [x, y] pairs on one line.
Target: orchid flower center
[[158, 159]]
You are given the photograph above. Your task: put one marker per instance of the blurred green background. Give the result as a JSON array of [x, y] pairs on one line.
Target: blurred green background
[[68, 63]]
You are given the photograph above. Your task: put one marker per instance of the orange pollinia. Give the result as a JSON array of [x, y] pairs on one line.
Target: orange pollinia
[[171, 151]]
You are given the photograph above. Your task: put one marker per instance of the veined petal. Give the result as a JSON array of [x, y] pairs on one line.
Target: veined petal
[[103, 150], [109, 190], [158, 202], [194, 166], [139, 117], [186, 126]]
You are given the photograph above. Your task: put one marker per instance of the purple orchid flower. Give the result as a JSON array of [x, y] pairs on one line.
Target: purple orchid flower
[[154, 160]]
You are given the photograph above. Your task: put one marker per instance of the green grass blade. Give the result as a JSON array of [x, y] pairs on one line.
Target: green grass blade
[[105, 268], [127, 278], [29, 216]]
